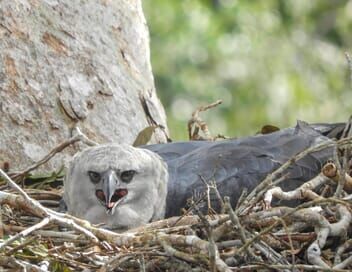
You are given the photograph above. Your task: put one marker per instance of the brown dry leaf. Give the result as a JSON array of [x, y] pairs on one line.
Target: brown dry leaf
[[294, 251], [267, 129], [144, 136], [96, 248]]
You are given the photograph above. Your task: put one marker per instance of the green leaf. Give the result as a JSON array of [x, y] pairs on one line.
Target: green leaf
[[39, 250], [39, 180], [56, 266]]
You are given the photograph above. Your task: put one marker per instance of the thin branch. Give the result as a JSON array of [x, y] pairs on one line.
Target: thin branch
[[78, 137]]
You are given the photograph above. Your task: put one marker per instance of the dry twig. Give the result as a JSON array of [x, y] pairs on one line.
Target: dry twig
[[196, 124]]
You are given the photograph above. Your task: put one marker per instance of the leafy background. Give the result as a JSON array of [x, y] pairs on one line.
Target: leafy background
[[271, 62]]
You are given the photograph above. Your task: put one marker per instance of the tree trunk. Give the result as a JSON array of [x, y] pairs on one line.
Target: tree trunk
[[69, 62]]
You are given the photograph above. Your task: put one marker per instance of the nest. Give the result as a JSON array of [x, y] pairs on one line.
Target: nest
[[253, 236]]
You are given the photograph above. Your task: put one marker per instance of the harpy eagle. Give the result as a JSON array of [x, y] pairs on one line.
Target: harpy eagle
[[121, 186]]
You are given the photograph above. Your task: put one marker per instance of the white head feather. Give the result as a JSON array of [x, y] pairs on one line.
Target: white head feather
[[146, 192]]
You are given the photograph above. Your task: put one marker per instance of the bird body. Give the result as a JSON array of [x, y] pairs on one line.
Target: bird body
[[240, 164], [167, 175]]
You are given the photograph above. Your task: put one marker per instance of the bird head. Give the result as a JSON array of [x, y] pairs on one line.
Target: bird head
[[117, 185], [111, 186]]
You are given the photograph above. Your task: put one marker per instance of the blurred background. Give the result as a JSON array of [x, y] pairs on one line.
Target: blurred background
[[271, 62]]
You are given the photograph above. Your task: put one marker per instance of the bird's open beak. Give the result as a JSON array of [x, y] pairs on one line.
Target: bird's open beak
[[109, 185], [112, 193]]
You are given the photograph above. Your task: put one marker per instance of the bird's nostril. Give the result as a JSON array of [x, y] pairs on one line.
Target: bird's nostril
[[100, 195]]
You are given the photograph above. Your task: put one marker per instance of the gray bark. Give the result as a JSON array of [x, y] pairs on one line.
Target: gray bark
[[71, 62]]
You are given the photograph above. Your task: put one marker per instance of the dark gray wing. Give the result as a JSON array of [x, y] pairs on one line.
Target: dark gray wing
[[174, 150], [330, 130], [238, 164]]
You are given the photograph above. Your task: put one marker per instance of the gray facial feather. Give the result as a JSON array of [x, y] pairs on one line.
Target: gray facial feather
[[147, 191]]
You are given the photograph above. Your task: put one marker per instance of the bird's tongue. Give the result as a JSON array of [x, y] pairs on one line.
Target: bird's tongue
[[120, 193], [110, 205]]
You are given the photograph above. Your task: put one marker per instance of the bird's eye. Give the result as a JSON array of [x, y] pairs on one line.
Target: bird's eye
[[126, 176], [94, 176]]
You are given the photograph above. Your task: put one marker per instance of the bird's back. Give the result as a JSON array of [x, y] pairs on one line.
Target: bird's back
[[240, 163]]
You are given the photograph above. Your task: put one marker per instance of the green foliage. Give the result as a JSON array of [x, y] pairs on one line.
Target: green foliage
[[271, 61], [45, 180], [57, 266]]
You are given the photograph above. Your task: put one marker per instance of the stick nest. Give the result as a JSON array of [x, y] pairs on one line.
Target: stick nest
[[314, 235]]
